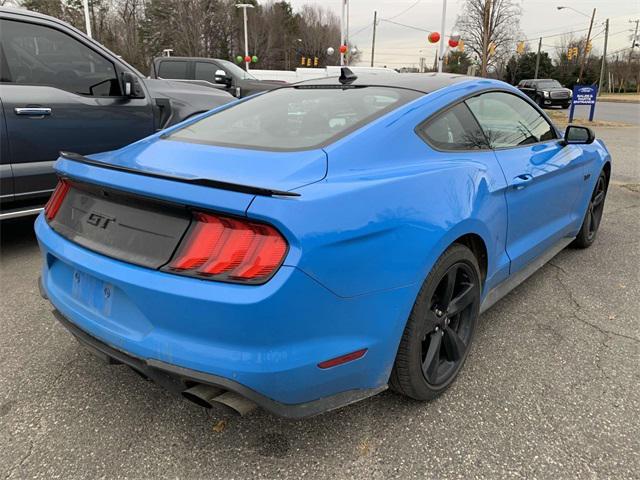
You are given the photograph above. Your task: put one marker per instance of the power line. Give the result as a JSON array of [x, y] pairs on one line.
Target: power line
[[405, 25], [405, 10]]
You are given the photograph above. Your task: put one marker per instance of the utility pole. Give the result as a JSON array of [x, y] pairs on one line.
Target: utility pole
[[535, 76], [87, 20], [634, 39], [604, 57], [486, 24], [373, 41], [442, 26], [586, 46], [244, 7]]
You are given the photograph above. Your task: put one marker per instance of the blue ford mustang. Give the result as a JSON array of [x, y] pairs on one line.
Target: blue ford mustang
[[308, 247]]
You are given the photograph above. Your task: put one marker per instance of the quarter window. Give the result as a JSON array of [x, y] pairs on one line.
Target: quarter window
[[454, 129], [509, 121], [39, 55]]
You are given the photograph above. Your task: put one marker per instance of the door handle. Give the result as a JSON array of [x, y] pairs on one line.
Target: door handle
[[521, 181], [32, 111]]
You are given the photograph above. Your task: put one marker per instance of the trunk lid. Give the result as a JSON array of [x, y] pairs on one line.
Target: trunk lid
[[259, 168], [127, 214]]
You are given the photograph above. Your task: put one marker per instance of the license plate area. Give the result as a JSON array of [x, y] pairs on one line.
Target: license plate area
[[92, 293], [134, 229]]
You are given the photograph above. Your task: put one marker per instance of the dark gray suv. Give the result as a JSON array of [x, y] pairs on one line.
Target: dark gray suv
[[60, 90]]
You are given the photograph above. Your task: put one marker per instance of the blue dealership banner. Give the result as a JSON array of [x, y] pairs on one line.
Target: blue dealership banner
[[584, 95]]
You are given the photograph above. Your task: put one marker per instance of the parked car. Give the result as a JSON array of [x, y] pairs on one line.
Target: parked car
[[302, 73], [60, 90], [315, 244], [546, 92], [212, 72]]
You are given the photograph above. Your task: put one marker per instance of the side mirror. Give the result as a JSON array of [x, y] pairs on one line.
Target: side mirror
[[130, 86], [578, 135], [221, 77]]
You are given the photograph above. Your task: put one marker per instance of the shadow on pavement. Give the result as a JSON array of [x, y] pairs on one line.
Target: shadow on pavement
[[17, 235]]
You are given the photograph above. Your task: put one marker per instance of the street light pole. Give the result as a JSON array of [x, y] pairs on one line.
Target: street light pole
[[87, 20], [343, 2], [442, 26], [244, 7], [373, 41]]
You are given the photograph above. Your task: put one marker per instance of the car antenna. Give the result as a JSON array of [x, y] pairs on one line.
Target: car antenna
[[347, 76]]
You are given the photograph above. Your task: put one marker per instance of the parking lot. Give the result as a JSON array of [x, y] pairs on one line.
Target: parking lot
[[551, 387]]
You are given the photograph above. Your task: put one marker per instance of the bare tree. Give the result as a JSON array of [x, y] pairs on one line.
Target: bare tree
[[490, 29]]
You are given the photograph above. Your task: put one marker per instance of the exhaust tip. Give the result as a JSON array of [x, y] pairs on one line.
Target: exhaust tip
[[208, 396], [202, 395]]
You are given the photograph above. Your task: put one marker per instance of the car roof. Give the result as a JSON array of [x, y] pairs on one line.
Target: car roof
[[421, 82]]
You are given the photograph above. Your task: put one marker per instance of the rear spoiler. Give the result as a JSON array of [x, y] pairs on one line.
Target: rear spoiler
[[204, 182]]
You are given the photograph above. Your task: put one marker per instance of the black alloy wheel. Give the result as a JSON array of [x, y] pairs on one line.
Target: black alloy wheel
[[440, 329], [593, 217], [451, 324]]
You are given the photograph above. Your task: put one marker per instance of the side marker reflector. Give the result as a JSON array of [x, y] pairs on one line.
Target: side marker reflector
[[349, 357]]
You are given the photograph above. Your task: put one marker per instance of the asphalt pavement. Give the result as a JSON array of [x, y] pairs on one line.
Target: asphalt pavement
[[550, 389], [611, 112]]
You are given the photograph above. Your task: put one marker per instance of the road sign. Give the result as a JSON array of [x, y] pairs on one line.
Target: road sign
[[584, 95]]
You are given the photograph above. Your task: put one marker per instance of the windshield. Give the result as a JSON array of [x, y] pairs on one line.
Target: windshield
[[549, 84], [233, 70], [294, 118]]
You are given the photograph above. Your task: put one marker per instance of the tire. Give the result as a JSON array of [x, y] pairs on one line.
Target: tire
[[540, 102], [429, 356], [592, 218], [564, 107]]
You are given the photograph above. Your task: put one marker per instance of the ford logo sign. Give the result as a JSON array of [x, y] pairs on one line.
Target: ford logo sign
[[584, 90]]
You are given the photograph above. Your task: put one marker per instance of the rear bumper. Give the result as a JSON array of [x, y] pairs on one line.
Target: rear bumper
[[177, 379], [264, 342]]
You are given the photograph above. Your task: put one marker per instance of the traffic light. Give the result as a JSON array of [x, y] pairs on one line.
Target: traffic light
[[520, 48], [309, 62], [315, 61], [303, 61], [588, 47], [461, 45], [492, 49]]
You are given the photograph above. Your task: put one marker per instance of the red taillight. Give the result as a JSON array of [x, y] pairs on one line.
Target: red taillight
[[349, 357], [54, 203], [229, 249]]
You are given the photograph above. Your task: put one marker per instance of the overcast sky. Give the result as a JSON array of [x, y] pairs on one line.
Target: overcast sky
[[397, 46]]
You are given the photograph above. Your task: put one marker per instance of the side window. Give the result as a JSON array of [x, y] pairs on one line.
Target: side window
[[173, 69], [454, 129], [509, 121], [206, 71], [40, 55]]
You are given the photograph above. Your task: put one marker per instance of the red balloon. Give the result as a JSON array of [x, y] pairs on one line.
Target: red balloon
[[247, 59], [434, 37], [453, 43], [343, 49]]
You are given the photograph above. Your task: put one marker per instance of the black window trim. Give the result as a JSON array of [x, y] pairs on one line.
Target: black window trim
[[477, 94], [57, 28]]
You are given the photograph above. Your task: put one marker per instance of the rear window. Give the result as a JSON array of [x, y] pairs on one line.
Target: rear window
[[295, 118]]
